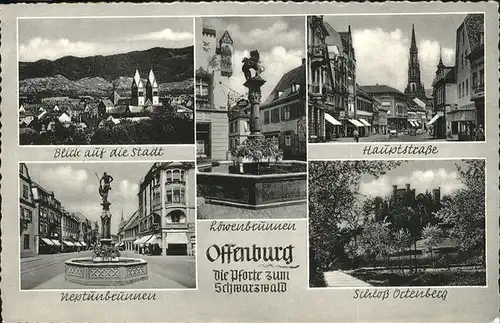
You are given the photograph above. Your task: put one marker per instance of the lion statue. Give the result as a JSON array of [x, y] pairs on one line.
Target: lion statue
[[252, 63]]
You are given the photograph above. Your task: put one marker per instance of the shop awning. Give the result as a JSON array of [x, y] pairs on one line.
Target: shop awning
[[461, 115], [332, 120], [143, 239], [47, 241], [356, 122], [417, 124], [364, 122], [439, 114], [154, 240], [68, 243], [56, 242], [77, 244], [177, 238], [83, 243], [138, 241]]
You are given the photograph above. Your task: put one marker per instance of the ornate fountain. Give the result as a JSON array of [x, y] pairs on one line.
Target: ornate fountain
[[262, 180], [106, 267]]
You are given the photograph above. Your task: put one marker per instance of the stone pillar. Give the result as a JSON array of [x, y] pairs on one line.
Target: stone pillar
[[254, 97], [105, 223]]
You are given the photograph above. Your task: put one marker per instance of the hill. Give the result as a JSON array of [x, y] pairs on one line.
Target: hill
[[169, 65]]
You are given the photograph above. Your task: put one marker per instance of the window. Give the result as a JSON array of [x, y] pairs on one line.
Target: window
[[474, 80], [266, 117], [177, 196], [288, 140], [286, 113], [481, 77], [462, 58], [295, 87], [275, 116], [26, 241], [183, 200], [169, 196], [169, 176], [176, 175], [465, 57], [176, 218], [25, 191], [466, 86]]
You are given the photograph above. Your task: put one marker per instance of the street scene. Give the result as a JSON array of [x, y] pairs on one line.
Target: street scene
[[89, 81], [393, 78], [126, 225], [397, 223], [251, 117]]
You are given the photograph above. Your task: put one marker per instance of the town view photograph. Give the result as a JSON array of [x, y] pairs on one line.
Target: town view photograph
[[397, 223], [400, 78], [102, 225], [89, 81], [251, 117]]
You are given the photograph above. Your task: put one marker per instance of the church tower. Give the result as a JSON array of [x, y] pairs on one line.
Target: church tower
[[137, 90], [415, 88], [152, 89]]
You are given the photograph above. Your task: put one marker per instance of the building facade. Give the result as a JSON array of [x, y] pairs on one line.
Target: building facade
[[167, 209], [70, 231], [214, 60], [463, 117], [131, 232], [28, 217], [49, 213], [364, 111], [392, 100], [284, 114], [317, 65], [239, 123], [445, 99], [475, 27]]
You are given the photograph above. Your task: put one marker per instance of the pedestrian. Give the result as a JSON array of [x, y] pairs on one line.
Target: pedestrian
[[356, 135], [480, 133]]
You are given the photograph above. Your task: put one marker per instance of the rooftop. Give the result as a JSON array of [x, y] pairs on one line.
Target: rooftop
[[295, 76], [380, 89]]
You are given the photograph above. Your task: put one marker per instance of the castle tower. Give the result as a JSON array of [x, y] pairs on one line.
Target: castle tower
[[152, 88], [137, 90], [415, 88]]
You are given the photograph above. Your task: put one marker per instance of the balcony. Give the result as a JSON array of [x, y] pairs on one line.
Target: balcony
[[477, 92], [176, 226], [317, 53]]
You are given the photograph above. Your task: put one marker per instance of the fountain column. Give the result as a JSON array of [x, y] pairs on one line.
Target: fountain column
[[106, 224], [254, 96]]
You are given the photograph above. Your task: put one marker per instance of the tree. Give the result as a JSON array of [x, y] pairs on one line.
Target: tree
[[432, 236], [402, 242], [464, 213], [375, 242], [333, 187]]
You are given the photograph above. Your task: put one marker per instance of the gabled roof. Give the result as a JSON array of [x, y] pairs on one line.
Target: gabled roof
[[107, 103], [380, 89], [333, 38], [295, 76], [121, 109]]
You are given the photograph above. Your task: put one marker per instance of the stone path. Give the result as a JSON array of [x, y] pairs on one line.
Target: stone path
[[338, 278]]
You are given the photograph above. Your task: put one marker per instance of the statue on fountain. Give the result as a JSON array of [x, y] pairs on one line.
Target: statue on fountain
[[104, 189], [252, 63]]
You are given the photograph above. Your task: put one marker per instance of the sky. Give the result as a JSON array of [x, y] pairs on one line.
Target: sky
[[422, 175], [81, 37], [279, 40], [382, 43], [76, 187]]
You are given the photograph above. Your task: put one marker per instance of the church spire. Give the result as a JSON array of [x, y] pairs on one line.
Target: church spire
[[413, 46], [440, 57]]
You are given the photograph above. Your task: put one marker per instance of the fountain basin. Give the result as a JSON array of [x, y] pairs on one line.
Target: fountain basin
[[218, 186], [86, 271]]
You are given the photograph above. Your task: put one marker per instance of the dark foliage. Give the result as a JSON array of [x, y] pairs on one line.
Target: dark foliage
[[169, 64]]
